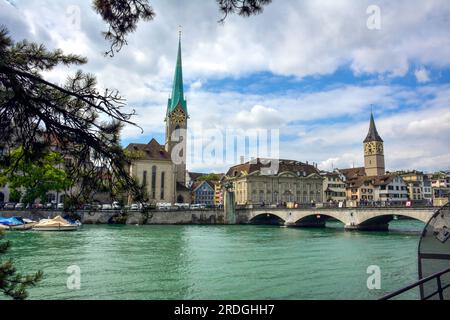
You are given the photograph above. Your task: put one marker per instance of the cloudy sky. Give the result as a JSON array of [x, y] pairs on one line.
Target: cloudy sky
[[311, 69]]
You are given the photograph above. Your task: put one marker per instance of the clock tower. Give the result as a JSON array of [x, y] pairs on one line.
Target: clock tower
[[373, 151], [176, 122]]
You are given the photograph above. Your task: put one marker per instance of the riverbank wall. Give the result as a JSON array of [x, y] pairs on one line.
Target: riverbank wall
[[105, 217]]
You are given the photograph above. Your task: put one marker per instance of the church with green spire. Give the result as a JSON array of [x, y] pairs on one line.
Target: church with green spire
[[161, 169], [176, 122]]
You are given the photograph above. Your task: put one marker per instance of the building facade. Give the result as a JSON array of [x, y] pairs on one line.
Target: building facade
[[218, 193], [293, 182], [427, 189], [414, 180], [388, 189], [440, 183], [153, 169], [334, 187], [203, 193]]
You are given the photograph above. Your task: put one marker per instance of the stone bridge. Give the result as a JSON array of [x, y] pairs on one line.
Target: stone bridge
[[352, 218]]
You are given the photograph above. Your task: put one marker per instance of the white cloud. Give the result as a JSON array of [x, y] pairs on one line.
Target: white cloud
[[422, 75], [300, 38], [259, 117]]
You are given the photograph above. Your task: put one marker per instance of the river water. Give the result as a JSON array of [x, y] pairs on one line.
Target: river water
[[218, 262]]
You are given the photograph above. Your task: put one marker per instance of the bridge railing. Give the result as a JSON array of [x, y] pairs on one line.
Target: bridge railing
[[439, 291]]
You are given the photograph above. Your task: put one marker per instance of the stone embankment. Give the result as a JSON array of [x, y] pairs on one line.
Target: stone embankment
[[111, 216]]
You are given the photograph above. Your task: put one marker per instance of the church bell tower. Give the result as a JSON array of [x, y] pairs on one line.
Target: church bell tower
[[373, 151], [176, 122]]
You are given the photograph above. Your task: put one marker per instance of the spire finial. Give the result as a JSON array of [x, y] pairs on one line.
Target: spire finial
[[180, 29]]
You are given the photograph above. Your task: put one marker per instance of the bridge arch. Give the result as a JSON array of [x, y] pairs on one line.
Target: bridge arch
[[316, 219], [382, 219], [267, 218]]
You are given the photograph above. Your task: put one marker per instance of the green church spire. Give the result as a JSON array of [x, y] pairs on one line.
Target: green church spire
[[177, 97]]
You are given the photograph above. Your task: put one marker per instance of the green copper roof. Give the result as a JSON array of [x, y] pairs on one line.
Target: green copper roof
[[177, 97], [372, 135]]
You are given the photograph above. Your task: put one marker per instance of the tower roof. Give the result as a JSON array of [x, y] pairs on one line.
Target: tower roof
[[372, 135], [177, 97]]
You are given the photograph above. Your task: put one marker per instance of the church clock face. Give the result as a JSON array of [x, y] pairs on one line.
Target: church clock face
[[178, 116], [369, 148], [379, 148]]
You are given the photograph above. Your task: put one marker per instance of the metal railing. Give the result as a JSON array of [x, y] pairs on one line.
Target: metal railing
[[439, 291]]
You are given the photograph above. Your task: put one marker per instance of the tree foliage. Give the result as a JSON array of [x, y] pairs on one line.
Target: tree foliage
[[122, 16], [13, 284], [209, 177], [243, 8], [82, 122], [33, 179]]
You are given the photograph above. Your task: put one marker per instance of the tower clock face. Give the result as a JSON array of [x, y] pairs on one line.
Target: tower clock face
[[369, 148], [178, 116], [373, 148], [379, 148]]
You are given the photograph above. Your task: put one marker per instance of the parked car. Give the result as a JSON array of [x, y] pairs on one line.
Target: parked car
[[48, 205], [197, 206], [135, 207], [163, 206], [37, 206], [10, 206], [60, 206], [116, 205], [182, 205], [19, 206], [86, 206], [106, 206]]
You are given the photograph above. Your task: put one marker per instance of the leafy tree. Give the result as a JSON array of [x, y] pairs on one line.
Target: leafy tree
[[35, 113], [13, 284], [33, 179], [209, 177]]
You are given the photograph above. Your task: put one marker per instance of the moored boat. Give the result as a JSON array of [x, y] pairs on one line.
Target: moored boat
[[3, 227], [16, 223], [25, 226], [56, 224]]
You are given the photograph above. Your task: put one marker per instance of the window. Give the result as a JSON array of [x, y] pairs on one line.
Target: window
[[153, 182], [163, 175], [176, 133], [144, 178]]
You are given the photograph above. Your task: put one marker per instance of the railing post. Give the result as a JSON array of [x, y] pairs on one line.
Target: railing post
[[439, 284]]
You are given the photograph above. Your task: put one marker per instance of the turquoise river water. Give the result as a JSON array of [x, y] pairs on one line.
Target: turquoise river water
[[218, 262]]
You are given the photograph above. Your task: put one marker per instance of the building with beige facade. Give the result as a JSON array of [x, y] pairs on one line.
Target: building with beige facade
[[414, 180], [440, 183], [294, 181], [334, 187]]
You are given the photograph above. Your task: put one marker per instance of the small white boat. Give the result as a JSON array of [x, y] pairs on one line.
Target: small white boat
[[26, 226], [56, 224]]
